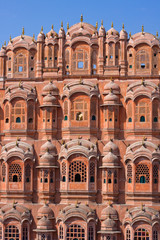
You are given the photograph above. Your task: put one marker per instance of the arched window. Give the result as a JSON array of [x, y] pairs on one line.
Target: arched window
[[3, 172], [75, 232], [67, 67], [92, 172], [141, 234], [129, 173], [79, 110], [155, 235], [30, 113], [142, 174], [80, 60], [18, 113], [63, 171], [7, 113], [15, 173], [60, 232], [142, 60], [50, 60], [109, 176], [155, 174], [129, 119], [65, 111], [91, 233], [25, 233], [77, 172], [11, 233], [27, 173], [94, 62], [128, 234], [45, 176], [142, 112], [20, 63], [0, 232]]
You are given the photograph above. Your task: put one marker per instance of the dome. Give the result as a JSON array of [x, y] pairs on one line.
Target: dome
[[123, 34], [82, 28], [50, 87], [48, 146], [109, 211], [111, 145], [44, 224], [47, 159], [3, 52], [51, 33], [49, 99], [111, 97], [110, 159], [45, 211], [101, 31], [112, 32], [61, 31], [111, 85], [108, 224], [41, 36]]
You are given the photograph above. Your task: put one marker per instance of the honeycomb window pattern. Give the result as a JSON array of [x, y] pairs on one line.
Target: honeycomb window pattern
[[142, 170], [129, 172], [15, 169], [155, 174], [11, 233], [3, 170], [75, 232], [77, 168], [92, 169], [63, 168]]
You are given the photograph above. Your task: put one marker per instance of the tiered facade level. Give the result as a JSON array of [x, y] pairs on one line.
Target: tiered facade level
[[79, 133]]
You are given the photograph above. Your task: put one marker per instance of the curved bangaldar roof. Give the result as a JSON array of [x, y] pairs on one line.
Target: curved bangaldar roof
[[80, 29], [143, 37], [24, 41]]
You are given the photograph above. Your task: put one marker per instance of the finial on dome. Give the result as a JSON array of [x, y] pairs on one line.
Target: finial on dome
[[157, 34], [4, 43], [23, 31], [52, 26], [130, 35], [142, 81], [10, 38], [101, 22], [142, 29], [96, 25], [123, 26], [67, 26], [81, 17], [61, 24], [33, 38], [112, 80], [112, 24], [109, 203], [41, 29]]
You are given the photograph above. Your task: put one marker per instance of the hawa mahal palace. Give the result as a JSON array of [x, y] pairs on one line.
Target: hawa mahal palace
[[80, 135]]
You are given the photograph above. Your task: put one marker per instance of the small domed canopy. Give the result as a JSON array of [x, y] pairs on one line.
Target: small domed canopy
[[109, 211], [79, 211], [110, 160], [146, 214], [81, 29], [45, 210], [17, 149], [41, 36], [61, 31], [81, 86], [141, 38], [111, 146], [48, 146], [123, 34], [20, 90], [101, 31], [111, 99], [108, 225], [112, 35], [111, 85], [15, 211], [44, 224], [49, 99], [78, 146], [51, 34], [50, 88], [47, 159], [3, 52]]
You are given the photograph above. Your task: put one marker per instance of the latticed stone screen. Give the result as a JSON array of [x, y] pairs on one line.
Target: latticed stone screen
[[75, 232], [77, 169], [15, 170], [141, 234], [142, 170], [11, 233]]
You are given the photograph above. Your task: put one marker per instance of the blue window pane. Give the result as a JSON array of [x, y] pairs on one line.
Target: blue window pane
[[80, 65]]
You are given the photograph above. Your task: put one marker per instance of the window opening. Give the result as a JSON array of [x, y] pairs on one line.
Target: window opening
[[141, 234], [77, 172], [75, 232], [11, 233], [80, 65], [15, 173], [142, 174]]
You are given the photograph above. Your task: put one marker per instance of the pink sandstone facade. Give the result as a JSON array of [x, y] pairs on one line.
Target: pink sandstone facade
[[79, 135]]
